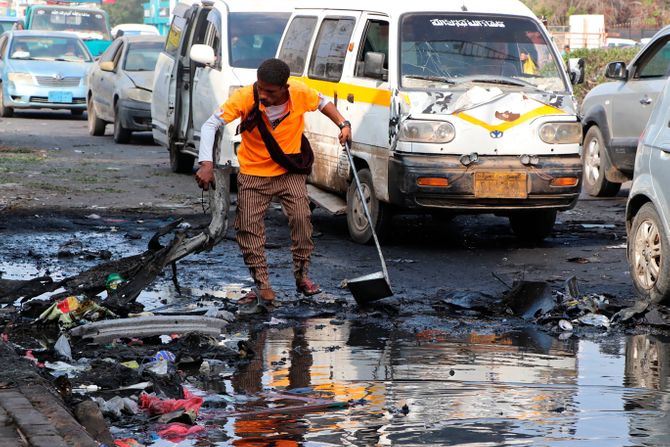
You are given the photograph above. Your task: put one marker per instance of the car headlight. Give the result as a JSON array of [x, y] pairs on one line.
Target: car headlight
[[21, 78], [427, 131], [561, 133], [138, 94]]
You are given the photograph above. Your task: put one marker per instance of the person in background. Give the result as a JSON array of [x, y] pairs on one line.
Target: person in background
[[275, 106], [528, 66], [566, 51]]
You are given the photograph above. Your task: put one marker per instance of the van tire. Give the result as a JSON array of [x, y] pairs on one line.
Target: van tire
[[121, 134], [359, 228], [5, 112], [532, 226], [179, 162], [96, 126], [596, 165]]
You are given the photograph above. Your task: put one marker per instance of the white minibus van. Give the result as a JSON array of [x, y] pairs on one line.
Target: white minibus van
[[456, 107]]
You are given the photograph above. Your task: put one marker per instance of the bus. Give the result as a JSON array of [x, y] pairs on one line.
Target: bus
[[90, 24]]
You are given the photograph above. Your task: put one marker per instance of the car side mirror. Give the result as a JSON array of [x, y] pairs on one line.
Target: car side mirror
[[617, 71], [202, 54], [374, 66], [577, 70], [107, 66]]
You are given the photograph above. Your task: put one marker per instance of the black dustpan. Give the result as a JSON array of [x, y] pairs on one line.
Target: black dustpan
[[374, 286]]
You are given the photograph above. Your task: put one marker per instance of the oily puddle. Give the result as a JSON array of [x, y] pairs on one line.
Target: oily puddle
[[327, 384]]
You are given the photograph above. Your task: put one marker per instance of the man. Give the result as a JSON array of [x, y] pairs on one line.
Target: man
[[281, 106]]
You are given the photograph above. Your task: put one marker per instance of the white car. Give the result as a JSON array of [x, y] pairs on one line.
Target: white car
[[648, 209], [134, 29]]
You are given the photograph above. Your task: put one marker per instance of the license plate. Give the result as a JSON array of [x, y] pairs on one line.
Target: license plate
[[60, 97], [501, 185]]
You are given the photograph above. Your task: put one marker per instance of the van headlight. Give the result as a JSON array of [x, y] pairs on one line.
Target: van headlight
[[426, 131], [561, 133], [140, 95], [21, 78]]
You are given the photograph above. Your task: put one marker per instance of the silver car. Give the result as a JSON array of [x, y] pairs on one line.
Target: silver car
[[648, 209], [119, 86], [615, 113], [43, 69]]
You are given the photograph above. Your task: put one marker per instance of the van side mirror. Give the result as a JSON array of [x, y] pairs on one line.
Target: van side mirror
[[617, 71], [202, 54], [576, 69], [107, 66], [374, 66]]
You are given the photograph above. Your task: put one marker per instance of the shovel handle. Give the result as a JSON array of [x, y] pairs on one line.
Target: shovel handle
[[347, 149]]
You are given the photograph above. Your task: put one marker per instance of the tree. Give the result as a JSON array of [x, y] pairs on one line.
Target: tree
[[124, 11]]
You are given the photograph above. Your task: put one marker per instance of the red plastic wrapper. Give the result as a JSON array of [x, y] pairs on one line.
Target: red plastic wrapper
[[155, 405], [128, 442], [177, 432]]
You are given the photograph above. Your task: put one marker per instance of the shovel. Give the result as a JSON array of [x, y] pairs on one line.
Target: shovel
[[374, 286]]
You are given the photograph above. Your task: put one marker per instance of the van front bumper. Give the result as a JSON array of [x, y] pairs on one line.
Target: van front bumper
[[459, 194]]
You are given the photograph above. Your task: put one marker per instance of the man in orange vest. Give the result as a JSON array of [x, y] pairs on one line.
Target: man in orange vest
[[275, 160]]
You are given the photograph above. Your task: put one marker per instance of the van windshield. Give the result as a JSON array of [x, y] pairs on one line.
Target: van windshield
[[254, 37], [439, 50], [87, 24]]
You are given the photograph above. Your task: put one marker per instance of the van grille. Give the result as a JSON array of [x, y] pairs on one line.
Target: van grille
[[50, 81]]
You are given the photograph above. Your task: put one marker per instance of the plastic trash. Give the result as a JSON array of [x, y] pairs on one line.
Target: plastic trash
[[565, 325], [113, 281], [72, 309], [117, 406], [177, 432], [597, 320], [155, 405], [163, 355], [63, 348]]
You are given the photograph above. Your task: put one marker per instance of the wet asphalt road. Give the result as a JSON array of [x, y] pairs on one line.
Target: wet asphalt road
[[51, 165]]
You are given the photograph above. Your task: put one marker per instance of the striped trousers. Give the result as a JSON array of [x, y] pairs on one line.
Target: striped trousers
[[254, 195]]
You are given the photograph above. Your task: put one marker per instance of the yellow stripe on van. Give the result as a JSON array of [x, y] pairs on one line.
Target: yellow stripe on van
[[367, 95], [540, 111]]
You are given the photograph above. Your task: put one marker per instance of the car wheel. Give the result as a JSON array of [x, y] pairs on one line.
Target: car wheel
[[595, 166], [77, 112], [5, 112], [648, 255], [121, 134], [359, 227], [532, 226], [179, 162], [96, 126]]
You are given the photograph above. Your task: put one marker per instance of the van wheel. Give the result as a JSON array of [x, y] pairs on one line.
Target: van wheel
[[5, 112], [96, 126], [359, 228], [648, 255], [180, 163], [595, 166], [121, 134], [532, 226]]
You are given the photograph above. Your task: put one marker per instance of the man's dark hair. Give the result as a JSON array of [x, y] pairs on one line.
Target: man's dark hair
[[274, 71]]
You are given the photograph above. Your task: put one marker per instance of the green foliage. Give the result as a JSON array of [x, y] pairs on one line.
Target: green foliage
[[125, 11], [596, 60]]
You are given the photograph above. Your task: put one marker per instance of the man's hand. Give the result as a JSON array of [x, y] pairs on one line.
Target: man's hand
[[205, 175], [345, 135]]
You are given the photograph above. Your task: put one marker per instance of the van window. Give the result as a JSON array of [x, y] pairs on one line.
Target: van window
[[376, 40], [330, 49], [658, 64], [439, 49], [296, 43], [254, 37], [174, 36]]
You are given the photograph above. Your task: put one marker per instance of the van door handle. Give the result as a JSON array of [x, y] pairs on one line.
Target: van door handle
[[645, 101], [350, 97]]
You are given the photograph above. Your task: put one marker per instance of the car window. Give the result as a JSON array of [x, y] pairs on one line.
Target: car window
[[3, 46], [48, 48], [657, 65], [142, 56], [376, 40], [110, 52], [296, 43], [213, 34], [6, 25], [330, 48], [254, 37], [174, 36]]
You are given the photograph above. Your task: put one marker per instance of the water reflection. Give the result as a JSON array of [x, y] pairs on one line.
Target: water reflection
[[522, 388]]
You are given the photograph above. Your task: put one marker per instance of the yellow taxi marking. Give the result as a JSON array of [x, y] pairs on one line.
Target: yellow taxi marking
[[540, 111], [368, 95]]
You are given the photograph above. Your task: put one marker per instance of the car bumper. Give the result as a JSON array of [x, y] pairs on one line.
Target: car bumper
[[135, 115], [462, 193], [38, 97]]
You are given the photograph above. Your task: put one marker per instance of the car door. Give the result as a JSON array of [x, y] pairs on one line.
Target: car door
[[3, 49], [108, 84], [658, 134], [165, 77], [633, 103], [98, 83]]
